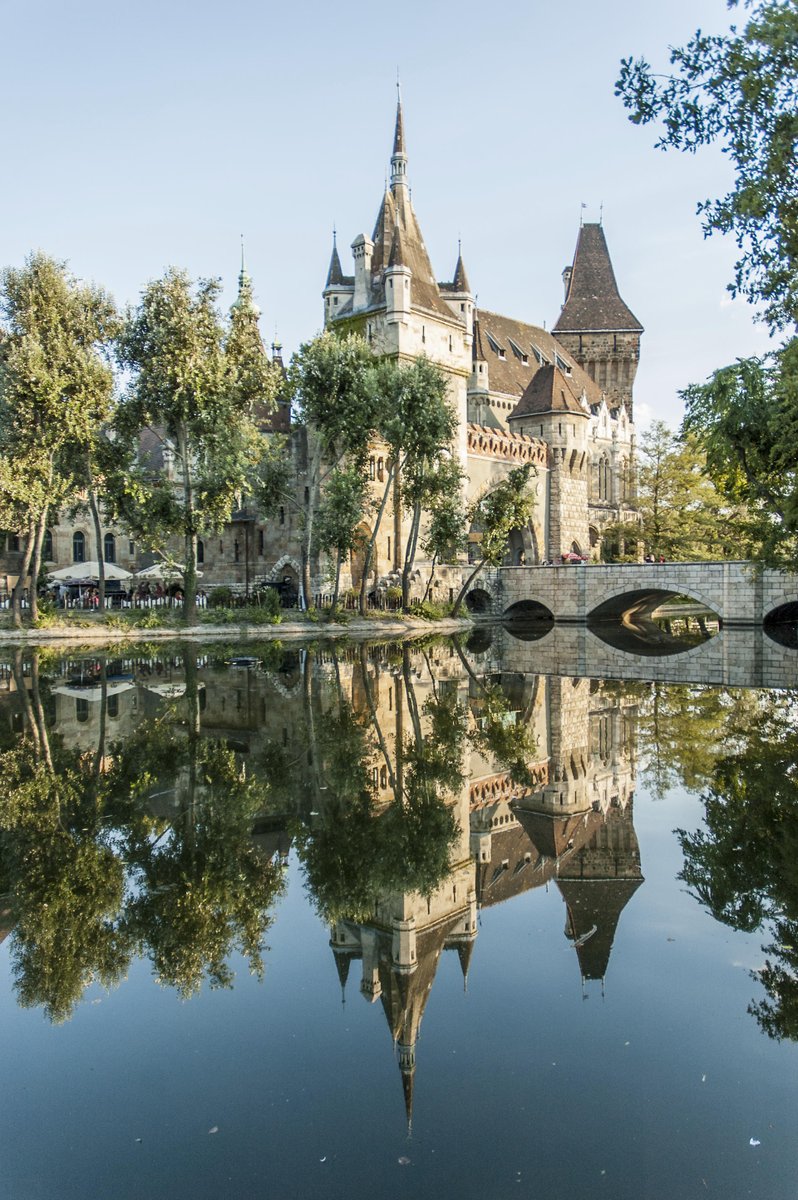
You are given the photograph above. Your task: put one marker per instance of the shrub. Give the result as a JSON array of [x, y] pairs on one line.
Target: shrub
[[220, 597]]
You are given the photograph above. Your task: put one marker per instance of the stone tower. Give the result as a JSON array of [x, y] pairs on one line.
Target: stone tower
[[595, 325]]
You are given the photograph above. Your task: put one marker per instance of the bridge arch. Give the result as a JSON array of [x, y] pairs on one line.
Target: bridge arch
[[479, 601], [620, 602]]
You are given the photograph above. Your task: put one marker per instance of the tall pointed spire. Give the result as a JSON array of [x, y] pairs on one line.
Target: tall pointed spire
[[335, 273], [399, 156]]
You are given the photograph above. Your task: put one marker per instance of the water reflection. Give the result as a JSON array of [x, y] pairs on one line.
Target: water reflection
[[150, 803]]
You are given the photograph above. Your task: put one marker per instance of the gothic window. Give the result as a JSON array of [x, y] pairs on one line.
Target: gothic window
[[109, 548], [603, 480], [282, 515], [372, 468], [78, 547], [260, 542], [380, 470], [81, 709], [624, 480], [47, 546], [200, 551]]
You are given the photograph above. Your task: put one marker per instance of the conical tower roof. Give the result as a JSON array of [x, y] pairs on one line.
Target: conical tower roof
[[460, 282], [593, 303]]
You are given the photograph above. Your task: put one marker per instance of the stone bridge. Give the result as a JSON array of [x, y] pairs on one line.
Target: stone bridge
[[736, 591], [741, 656]]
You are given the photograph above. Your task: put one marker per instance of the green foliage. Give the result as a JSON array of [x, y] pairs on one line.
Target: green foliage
[[220, 597], [738, 89], [507, 506], [745, 419], [683, 514], [743, 865], [194, 384], [55, 393]]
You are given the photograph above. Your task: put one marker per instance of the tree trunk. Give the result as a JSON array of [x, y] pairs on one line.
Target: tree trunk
[[98, 538], [36, 563], [410, 555], [431, 577], [310, 513], [24, 570], [373, 539], [338, 558], [372, 707], [22, 692], [190, 576], [458, 602]]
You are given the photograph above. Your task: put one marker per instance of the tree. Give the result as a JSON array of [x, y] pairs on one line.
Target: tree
[[416, 423], [55, 392], [444, 539], [738, 89], [507, 506], [332, 381], [195, 382], [745, 418], [683, 514], [743, 865], [343, 504]]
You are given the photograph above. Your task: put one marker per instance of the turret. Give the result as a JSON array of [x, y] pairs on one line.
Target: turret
[[362, 250], [398, 281], [595, 324], [339, 287]]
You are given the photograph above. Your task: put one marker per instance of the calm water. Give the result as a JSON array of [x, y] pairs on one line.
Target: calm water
[[393, 921]]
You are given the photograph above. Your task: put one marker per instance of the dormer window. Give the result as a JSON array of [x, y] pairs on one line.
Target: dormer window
[[562, 364], [518, 352], [495, 347], [539, 355]]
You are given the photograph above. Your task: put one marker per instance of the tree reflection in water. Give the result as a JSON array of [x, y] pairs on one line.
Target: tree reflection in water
[[96, 879], [743, 867]]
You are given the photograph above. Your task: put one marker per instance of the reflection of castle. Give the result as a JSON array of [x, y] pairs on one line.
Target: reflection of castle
[[574, 825], [571, 825]]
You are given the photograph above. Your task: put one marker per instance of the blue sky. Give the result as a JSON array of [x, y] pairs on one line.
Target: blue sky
[[142, 135]]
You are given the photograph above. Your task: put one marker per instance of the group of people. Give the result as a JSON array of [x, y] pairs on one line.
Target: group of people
[[144, 595]]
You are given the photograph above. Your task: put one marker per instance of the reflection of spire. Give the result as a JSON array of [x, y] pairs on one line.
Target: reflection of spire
[[343, 960], [596, 884], [408, 1079]]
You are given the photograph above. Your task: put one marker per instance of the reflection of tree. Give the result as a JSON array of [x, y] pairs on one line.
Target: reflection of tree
[[358, 850], [95, 878], [66, 880], [684, 729], [744, 865]]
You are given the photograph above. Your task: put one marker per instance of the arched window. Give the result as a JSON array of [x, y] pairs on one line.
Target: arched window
[[603, 481], [78, 547], [47, 546], [81, 709], [109, 548], [200, 551], [623, 480]]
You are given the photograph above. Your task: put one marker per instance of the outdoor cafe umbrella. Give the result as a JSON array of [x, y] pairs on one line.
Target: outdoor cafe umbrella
[[86, 572], [165, 571]]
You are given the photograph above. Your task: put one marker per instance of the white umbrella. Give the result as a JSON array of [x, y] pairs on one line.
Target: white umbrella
[[89, 570], [161, 570], [92, 691]]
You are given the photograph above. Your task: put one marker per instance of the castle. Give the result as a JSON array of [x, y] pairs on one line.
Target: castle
[[559, 400]]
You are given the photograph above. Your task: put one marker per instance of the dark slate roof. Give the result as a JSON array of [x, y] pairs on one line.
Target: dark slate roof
[[510, 375], [594, 908], [396, 211], [335, 274], [460, 281], [551, 390], [399, 132], [593, 303]]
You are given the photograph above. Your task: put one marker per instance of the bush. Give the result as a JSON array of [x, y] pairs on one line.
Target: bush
[[220, 597], [270, 603]]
